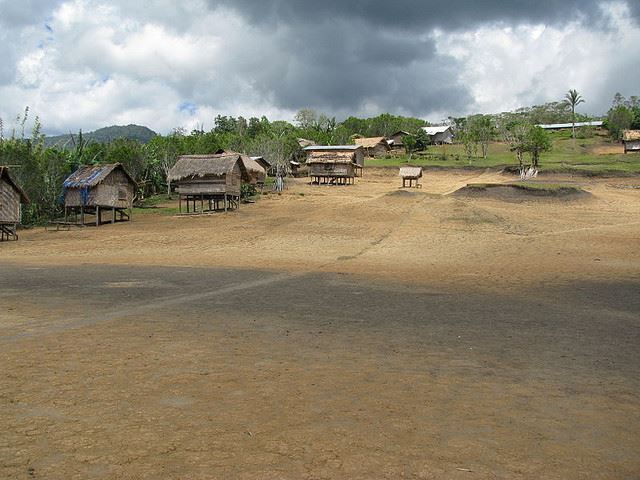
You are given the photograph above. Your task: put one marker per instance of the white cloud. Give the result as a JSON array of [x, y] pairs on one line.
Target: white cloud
[[509, 67]]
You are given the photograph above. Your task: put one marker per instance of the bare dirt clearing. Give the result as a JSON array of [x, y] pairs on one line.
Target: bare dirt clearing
[[330, 332]]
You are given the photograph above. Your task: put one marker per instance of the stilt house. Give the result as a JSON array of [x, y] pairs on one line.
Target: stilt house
[[206, 181], [334, 166], [94, 189], [11, 199]]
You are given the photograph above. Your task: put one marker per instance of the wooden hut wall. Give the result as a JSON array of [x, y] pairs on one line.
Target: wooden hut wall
[[114, 191], [359, 157], [9, 203], [331, 169], [212, 184]]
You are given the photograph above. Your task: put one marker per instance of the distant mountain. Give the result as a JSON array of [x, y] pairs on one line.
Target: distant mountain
[[104, 135]]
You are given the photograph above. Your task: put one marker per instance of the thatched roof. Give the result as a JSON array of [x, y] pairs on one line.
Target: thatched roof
[[411, 172], [330, 157], [262, 162], [303, 142], [630, 135], [217, 165], [370, 142], [332, 148], [4, 175], [88, 176]]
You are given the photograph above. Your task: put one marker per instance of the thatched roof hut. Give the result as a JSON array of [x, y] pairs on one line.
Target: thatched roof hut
[[11, 198], [411, 175], [356, 151], [631, 140], [215, 178], [373, 146], [332, 166], [92, 188]]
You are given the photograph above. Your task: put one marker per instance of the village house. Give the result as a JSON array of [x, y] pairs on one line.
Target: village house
[[356, 151], [333, 166], [11, 199], [373, 146], [396, 141], [92, 189], [440, 134], [206, 181], [631, 140]]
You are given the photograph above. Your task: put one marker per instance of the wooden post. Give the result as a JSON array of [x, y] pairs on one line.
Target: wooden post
[[97, 216], [113, 213], [225, 203], [201, 203], [180, 203]]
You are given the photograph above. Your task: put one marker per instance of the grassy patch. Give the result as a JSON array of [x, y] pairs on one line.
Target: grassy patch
[[535, 188], [567, 156]]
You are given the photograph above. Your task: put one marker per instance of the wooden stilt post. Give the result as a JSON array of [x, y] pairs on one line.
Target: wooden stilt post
[[113, 214], [225, 203], [97, 216]]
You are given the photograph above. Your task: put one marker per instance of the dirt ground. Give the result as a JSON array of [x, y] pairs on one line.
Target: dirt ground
[[331, 332]]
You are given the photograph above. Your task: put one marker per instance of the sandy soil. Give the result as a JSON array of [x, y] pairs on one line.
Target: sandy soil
[[376, 229], [330, 332]]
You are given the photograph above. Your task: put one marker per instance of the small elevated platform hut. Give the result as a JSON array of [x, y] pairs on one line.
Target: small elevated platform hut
[[11, 199], [412, 175], [92, 189], [208, 181], [631, 140]]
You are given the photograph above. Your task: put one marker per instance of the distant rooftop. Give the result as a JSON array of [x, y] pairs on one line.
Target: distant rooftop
[[437, 129], [555, 126], [331, 147]]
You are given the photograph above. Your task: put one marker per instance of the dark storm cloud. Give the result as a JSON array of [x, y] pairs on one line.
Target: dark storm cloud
[[352, 55], [414, 14]]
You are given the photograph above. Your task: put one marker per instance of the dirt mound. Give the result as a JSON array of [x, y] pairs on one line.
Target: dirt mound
[[522, 191], [404, 194]]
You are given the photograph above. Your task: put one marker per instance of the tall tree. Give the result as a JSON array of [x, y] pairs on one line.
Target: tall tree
[[573, 99]]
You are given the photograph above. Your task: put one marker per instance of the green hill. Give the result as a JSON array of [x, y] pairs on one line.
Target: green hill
[[104, 135]]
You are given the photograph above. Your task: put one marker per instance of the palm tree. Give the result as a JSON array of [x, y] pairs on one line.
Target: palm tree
[[572, 99]]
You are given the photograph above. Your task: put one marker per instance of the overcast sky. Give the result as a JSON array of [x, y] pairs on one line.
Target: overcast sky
[[163, 63]]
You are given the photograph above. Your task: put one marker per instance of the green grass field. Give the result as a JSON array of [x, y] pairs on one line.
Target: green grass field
[[588, 156]]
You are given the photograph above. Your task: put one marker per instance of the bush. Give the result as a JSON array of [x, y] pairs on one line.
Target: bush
[[247, 190]]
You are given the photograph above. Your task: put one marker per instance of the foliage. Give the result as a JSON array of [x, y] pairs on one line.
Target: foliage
[[624, 114], [573, 99]]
